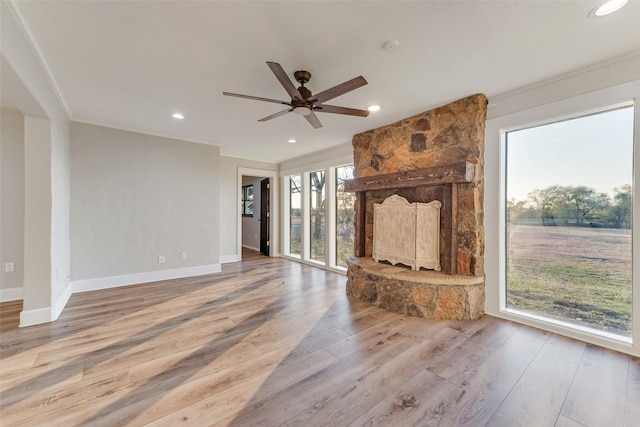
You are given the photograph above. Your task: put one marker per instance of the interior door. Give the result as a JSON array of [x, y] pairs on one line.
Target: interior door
[[265, 216]]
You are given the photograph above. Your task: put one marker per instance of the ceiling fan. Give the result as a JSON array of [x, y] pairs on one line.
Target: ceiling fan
[[303, 102]]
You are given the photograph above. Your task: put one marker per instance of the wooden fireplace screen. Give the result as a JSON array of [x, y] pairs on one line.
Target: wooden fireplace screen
[[442, 181]]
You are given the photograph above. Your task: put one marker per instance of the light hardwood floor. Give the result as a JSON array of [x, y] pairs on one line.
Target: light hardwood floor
[[271, 342]]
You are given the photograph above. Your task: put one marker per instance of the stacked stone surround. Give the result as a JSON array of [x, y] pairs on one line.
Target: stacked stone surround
[[446, 135], [425, 294]]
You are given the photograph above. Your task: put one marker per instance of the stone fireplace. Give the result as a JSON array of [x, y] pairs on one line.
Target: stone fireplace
[[434, 156]]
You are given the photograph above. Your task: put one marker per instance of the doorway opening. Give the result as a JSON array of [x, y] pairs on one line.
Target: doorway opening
[[258, 228]]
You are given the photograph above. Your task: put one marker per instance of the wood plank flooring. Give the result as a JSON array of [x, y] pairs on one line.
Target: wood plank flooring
[[270, 342]]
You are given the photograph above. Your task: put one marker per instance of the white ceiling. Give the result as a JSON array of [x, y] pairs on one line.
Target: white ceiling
[[129, 65]]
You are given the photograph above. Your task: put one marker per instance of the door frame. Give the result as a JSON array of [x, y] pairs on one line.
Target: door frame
[[265, 215], [274, 226]]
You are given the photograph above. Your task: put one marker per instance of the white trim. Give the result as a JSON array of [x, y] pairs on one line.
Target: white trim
[[317, 264], [598, 76], [146, 132], [11, 294], [305, 218], [330, 216], [86, 285], [37, 53], [226, 259], [286, 214], [35, 317], [251, 247], [62, 302], [574, 332]]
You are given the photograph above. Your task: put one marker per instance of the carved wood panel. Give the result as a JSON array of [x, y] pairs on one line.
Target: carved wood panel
[[407, 233]]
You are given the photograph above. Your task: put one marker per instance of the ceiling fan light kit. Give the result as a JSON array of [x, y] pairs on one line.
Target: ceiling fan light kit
[[303, 102], [302, 111]]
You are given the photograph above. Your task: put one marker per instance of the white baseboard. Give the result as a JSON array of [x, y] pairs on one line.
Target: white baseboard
[[251, 247], [46, 314], [35, 317], [86, 285], [225, 259], [11, 294], [49, 314], [62, 302]]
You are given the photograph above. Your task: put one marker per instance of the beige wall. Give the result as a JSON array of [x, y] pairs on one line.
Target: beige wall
[[135, 197], [12, 198]]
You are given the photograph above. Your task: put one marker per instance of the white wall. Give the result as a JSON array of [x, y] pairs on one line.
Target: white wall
[[11, 203], [60, 211], [37, 222], [135, 197], [251, 225], [337, 155], [230, 202]]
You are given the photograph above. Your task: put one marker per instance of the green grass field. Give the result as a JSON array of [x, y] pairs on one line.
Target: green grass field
[[574, 274]]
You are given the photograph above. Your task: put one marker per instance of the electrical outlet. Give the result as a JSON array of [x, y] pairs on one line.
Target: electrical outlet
[[9, 267], [161, 259], [183, 255]]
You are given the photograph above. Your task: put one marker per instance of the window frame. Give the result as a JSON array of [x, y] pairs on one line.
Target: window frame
[[495, 207], [524, 313], [329, 261], [246, 197], [334, 258], [287, 216]]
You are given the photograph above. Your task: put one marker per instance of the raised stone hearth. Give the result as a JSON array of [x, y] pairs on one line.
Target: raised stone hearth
[[428, 294], [436, 155]]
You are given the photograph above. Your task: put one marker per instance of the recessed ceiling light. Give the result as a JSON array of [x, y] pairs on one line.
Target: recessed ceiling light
[[177, 116], [373, 108], [607, 8], [292, 141]]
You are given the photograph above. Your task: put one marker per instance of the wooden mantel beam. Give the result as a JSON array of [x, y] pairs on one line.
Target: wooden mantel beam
[[447, 174]]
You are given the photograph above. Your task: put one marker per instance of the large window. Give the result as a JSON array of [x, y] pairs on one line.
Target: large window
[[345, 228], [317, 215], [295, 212], [568, 221], [319, 220]]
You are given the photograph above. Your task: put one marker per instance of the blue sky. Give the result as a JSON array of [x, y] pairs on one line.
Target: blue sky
[[595, 151]]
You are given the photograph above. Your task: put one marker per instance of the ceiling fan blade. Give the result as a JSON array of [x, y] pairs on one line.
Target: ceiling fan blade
[[336, 91], [278, 114], [256, 98], [285, 81], [340, 110], [313, 120]]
